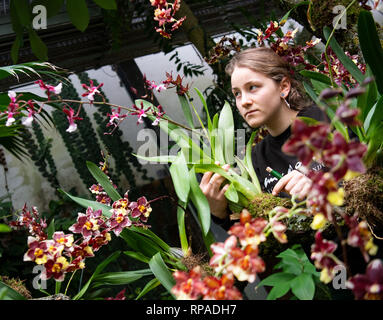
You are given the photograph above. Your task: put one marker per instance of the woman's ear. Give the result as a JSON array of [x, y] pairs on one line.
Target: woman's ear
[[285, 87]]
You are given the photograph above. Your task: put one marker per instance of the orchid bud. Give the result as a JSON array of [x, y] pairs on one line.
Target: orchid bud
[[329, 93], [355, 92]]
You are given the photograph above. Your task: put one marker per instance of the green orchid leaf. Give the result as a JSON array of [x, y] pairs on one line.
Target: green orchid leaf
[[367, 100], [103, 180], [152, 284], [98, 270], [186, 110], [374, 118], [119, 278], [137, 255], [180, 176], [200, 202], [181, 226], [157, 159], [249, 163], [140, 243], [89, 203], [231, 193], [203, 100], [371, 47], [150, 234], [226, 133], [162, 273], [320, 77]]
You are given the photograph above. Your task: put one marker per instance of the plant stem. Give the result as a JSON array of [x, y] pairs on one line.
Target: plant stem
[[343, 244], [58, 287], [67, 286]]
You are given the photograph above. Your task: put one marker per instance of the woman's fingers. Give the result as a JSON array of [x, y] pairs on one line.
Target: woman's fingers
[[295, 183], [206, 178]]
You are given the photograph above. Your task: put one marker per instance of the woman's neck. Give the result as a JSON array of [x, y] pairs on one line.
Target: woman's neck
[[281, 121]]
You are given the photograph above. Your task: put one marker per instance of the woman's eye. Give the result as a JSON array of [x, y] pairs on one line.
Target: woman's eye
[[253, 87], [236, 94]]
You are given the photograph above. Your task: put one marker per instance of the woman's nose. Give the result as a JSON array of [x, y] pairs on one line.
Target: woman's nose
[[245, 100]]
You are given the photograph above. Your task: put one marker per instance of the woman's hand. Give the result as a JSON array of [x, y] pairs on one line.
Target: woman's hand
[[295, 183], [211, 188]]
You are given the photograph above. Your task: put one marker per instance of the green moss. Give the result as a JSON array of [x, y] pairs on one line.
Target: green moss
[[266, 202]]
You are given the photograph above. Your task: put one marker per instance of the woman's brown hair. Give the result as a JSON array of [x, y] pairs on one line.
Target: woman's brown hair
[[267, 62]]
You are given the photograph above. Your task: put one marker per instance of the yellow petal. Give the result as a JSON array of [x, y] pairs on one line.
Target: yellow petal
[[336, 198], [319, 221], [350, 175]]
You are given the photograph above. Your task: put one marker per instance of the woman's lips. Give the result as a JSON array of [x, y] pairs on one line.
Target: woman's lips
[[251, 112]]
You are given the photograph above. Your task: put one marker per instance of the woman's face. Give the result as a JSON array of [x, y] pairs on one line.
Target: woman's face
[[258, 97]]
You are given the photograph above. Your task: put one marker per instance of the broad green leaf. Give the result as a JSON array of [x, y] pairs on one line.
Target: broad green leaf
[[320, 77], [154, 283], [180, 176], [181, 226], [178, 135], [78, 13], [8, 293], [186, 110], [119, 278], [367, 100], [38, 47], [213, 139], [344, 59], [231, 193], [157, 159], [276, 278], [89, 203], [374, 116], [278, 291], [303, 287], [103, 180], [150, 234], [200, 202], [226, 133], [162, 273], [371, 46], [137, 255], [106, 4], [242, 185], [249, 163], [140, 243], [318, 86], [98, 270]]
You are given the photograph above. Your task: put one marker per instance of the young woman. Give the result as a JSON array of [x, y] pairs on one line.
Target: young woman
[[266, 95]]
